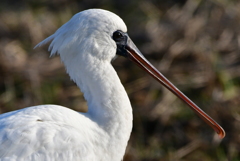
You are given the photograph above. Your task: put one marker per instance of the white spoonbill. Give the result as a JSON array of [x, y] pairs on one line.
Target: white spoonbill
[[86, 44]]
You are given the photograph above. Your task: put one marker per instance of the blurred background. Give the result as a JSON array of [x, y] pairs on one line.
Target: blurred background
[[194, 43]]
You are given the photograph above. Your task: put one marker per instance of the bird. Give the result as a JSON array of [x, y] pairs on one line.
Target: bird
[[86, 44]]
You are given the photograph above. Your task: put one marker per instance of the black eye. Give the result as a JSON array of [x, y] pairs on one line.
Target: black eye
[[117, 35]]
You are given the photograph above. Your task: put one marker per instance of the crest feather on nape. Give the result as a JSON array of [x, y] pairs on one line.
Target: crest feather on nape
[[50, 48]]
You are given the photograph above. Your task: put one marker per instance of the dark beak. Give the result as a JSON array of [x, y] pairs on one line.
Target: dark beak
[[132, 52]]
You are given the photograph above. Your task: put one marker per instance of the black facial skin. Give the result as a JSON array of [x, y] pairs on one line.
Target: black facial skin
[[121, 39]]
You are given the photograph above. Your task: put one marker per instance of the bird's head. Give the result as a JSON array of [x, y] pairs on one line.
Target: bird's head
[[95, 31]]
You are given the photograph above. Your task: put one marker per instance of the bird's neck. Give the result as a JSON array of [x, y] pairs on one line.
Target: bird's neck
[[108, 103]]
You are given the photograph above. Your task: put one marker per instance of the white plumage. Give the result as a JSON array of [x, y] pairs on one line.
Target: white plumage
[[86, 44], [51, 132]]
